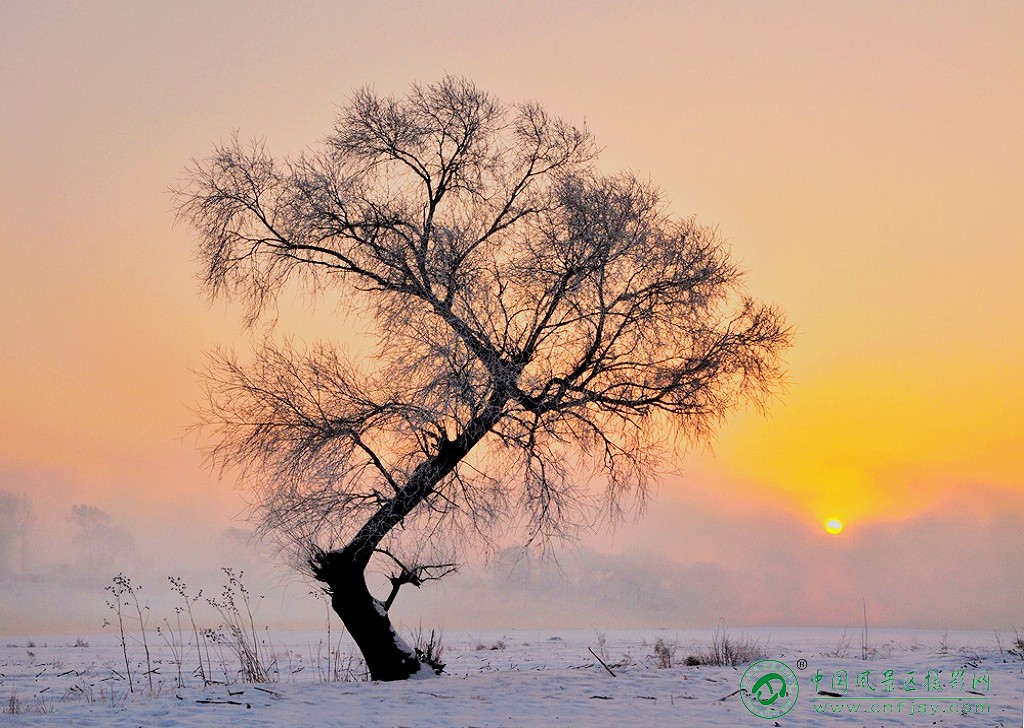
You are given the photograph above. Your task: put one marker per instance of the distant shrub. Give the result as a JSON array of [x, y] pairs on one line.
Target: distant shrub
[[499, 645], [842, 648], [664, 654], [1018, 645], [727, 651]]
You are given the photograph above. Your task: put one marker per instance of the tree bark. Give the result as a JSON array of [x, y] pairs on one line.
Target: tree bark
[[388, 656]]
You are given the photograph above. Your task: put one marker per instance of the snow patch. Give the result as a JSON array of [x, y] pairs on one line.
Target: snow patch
[[424, 673], [534, 680]]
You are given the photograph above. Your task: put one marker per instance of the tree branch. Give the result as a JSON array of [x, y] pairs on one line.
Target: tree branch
[[415, 575]]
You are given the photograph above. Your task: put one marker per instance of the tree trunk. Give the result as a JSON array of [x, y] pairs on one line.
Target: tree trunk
[[388, 656]]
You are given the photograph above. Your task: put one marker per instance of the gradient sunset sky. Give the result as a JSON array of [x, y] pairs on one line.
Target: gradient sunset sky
[[864, 159]]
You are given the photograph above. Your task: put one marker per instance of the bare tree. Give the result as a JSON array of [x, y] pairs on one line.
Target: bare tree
[[15, 517], [544, 335], [99, 542]]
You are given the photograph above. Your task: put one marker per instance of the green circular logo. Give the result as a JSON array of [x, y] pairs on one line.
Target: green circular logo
[[769, 688]]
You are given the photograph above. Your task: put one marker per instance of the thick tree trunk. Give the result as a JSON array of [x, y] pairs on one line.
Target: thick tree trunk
[[388, 656]]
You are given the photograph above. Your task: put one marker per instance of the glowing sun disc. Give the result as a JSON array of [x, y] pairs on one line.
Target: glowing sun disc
[[833, 525]]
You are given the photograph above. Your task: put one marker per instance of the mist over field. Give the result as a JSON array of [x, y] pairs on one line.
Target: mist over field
[[927, 572]]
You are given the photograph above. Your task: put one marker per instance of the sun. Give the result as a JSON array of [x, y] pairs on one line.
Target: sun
[[833, 525]]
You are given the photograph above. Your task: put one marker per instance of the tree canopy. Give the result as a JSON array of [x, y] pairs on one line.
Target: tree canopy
[[543, 331]]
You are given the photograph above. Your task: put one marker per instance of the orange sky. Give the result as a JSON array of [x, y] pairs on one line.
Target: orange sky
[[864, 159]]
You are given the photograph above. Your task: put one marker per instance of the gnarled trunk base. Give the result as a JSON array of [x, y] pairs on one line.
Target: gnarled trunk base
[[388, 656]]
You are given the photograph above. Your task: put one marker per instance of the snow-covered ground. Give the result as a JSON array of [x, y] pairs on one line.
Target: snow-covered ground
[[521, 678]]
